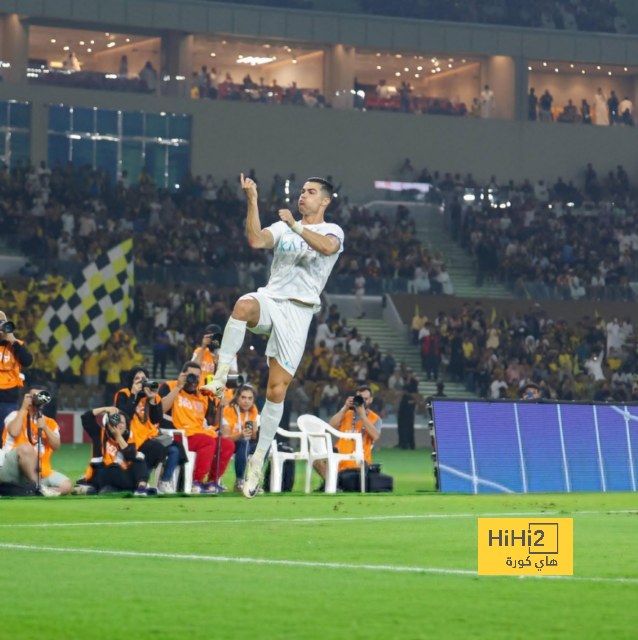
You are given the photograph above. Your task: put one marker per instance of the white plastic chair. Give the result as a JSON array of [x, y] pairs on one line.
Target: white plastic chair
[[277, 458], [188, 466], [320, 448]]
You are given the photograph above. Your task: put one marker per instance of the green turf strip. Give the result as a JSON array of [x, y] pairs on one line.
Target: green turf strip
[[48, 594]]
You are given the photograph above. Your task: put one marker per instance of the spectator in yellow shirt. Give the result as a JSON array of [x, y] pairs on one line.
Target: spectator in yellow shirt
[[91, 369]]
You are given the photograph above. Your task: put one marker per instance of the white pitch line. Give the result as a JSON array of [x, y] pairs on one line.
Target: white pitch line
[[310, 520], [294, 563]]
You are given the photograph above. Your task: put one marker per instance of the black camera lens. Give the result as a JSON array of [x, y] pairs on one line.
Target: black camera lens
[[42, 398], [192, 378], [153, 385], [7, 327], [115, 419], [358, 401], [235, 381]]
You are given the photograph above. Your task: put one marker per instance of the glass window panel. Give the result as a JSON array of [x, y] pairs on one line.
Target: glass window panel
[[20, 115], [58, 150], [155, 162], [82, 152], [19, 144], [83, 120], [179, 127], [156, 126], [59, 118], [132, 160], [106, 157], [106, 122], [4, 114], [179, 159], [132, 123]]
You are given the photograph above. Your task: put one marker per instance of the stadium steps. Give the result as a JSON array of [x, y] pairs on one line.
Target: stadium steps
[[171, 370], [389, 339], [433, 235]]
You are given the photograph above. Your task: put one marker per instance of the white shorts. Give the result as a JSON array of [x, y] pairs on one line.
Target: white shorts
[[54, 480], [287, 324]]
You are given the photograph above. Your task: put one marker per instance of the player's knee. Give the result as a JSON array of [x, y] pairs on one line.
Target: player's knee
[[246, 309], [65, 488], [277, 391], [25, 452]]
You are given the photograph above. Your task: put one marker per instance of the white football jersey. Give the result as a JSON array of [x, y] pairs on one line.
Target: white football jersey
[[299, 272]]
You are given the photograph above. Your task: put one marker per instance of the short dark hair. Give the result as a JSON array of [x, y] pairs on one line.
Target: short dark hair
[[191, 365], [326, 188], [364, 387]]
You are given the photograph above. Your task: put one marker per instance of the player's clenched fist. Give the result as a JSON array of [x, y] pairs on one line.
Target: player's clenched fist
[[286, 216], [249, 187]]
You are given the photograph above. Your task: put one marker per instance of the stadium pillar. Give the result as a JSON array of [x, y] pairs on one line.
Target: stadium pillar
[[338, 76], [499, 72], [521, 69], [177, 58], [39, 135], [14, 47]]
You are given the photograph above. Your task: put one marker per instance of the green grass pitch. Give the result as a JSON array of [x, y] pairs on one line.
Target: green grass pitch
[[331, 565]]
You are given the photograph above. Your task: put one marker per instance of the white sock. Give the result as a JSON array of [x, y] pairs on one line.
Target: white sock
[[233, 340], [268, 424]]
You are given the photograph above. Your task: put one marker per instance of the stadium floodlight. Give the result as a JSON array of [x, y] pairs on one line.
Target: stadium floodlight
[[254, 60], [468, 197]]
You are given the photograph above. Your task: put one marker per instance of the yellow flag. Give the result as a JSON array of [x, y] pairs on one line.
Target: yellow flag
[[493, 315]]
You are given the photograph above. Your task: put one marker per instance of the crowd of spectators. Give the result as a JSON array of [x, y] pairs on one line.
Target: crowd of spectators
[[570, 15], [69, 216], [547, 241], [590, 359], [603, 111]]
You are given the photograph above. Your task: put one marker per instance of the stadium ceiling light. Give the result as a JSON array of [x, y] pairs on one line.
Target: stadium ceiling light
[[53, 40], [89, 50], [82, 43], [416, 75], [556, 70], [212, 55], [419, 68], [128, 39], [433, 70], [266, 46], [379, 67], [451, 60], [544, 64], [449, 65], [107, 34], [625, 68], [406, 69], [110, 44], [529, 68], [66, 48], [378, 55], [583, 71], [294, 60], [571, 66], [398, 55], [252, 60], [397, 74], [609, 72], [463, 61], [438, 69], [92, 41], [598, 67]]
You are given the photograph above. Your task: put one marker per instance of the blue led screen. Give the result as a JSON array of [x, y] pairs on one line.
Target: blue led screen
[[520, 447]]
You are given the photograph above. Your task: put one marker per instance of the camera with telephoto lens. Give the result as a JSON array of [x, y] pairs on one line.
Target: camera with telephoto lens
[[216, 340], [7, 327], [40, 399], [192, 378], [234, 382], [358, 401], [153, 385]]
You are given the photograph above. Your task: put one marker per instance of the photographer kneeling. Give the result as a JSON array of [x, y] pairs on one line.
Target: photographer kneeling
[[141, 403], [240, 423], [26, 431], [115, 465], [354, 417]]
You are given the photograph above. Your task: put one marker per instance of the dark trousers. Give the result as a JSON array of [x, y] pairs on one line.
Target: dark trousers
[[122, 479], [406, 426], [154, 453], [160, 356], [243, 448], [431, 362], [5, 409]]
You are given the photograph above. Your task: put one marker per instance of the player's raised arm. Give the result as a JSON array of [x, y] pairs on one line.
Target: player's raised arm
[[257, 238]]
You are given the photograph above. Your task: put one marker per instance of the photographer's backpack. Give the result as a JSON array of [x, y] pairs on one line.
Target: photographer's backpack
[[349, 480], [288, 474]]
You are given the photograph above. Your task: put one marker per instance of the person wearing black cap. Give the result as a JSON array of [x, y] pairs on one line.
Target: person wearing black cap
[[204, 356], [143, 407]]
